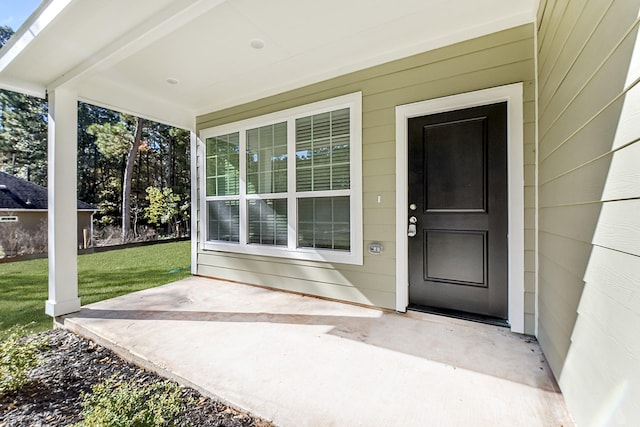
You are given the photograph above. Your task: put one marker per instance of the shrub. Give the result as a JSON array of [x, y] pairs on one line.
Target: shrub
[[18, 357], [16, 240], [114, 403]]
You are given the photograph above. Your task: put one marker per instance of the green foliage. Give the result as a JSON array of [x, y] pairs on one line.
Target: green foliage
[[165, 208], [113, 139], [104, 275], [110, 202], [23, 136], [23, 131], [95, 170], [126, 404], [18, 357], [5, 34]]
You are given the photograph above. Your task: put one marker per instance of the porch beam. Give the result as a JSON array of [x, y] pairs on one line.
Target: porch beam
[[62, 215]]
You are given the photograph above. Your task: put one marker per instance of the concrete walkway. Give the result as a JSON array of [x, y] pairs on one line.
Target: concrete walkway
[[301, 361]]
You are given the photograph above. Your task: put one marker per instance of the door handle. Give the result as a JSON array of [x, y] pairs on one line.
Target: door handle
[[412, 226]]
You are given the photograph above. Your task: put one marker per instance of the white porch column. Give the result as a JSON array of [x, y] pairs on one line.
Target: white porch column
[[63, 216]]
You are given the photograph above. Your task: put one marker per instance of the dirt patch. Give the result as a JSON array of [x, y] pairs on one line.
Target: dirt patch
[[72, 365]]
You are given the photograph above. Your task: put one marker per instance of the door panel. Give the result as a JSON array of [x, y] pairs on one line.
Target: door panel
[[455, 166], [458, 184], [456, 257]]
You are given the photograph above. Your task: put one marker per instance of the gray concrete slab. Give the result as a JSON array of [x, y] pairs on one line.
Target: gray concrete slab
[[302, 361]]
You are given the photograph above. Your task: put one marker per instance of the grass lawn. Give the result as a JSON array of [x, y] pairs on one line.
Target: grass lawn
[[23, 285]]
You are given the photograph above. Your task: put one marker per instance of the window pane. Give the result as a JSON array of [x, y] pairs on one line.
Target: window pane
[[222, 168], [224, 220], [267, 222], [322, 151], [324, 223], [267, 159]]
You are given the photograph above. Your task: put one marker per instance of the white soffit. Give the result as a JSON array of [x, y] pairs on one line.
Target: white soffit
[[120, 53]]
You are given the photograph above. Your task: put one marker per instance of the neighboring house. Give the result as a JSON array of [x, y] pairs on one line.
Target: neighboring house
[[470, 156], [25, 204]]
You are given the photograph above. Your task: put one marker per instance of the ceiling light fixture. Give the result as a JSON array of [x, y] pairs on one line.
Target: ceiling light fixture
[[256, 43], [173, 81]]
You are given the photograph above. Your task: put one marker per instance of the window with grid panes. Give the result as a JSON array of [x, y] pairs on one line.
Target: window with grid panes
[[296, 189]]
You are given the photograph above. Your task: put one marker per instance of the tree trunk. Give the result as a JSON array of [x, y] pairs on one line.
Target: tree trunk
[[126, 185], [171, 165]]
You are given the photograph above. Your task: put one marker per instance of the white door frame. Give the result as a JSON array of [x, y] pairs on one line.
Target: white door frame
[[515, 170]]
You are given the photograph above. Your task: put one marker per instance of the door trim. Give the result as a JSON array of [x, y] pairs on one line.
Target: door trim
[[512, 94]]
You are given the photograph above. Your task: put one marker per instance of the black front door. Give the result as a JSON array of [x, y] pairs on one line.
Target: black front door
[[458, 204]]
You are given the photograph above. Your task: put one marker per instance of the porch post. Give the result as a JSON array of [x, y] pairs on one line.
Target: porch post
[[63, 215]]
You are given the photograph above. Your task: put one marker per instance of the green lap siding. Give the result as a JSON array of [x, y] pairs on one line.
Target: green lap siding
[[589, 196], [493, 60]]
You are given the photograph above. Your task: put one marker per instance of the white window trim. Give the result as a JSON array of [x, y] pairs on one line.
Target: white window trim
[[515, 170], [352, 101]]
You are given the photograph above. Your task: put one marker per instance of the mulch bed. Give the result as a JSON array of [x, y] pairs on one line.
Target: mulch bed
[[71, 365]]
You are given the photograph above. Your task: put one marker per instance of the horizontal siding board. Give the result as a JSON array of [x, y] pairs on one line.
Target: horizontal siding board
[[529, 324], [575, 51], [529, 91], [529, 174], [332, 276], [566, 293], [597, 379], [569, 19], [380, 150], [544, 18], [454, 84], [529, 217], [371, 263], [613, 176], [618, 226], [380, 233], [553, 337], [569, 112], [379, 183], [489, 58], [529, 261], [613, 318], [380, 216], [614, 127], [583, 185], [345, 293], [615, 274], [387, 200], [378, 134], [529, 302], [529, 281], [573, 255], [529, 238], [384, 117], [577, 222], [378, 166], [626, 128]]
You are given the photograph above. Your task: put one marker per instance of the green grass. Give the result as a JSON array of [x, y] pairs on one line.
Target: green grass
[[24, 285]]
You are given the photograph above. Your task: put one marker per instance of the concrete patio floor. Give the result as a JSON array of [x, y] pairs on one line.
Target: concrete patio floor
[[302, 361]]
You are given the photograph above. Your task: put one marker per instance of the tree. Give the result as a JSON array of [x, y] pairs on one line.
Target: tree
[[97, 173], [164, 208], [5, 34], [23, 136], [116, 140], [23, 131]]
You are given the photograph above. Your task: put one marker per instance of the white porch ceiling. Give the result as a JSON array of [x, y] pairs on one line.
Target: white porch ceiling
[[120, 53]]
